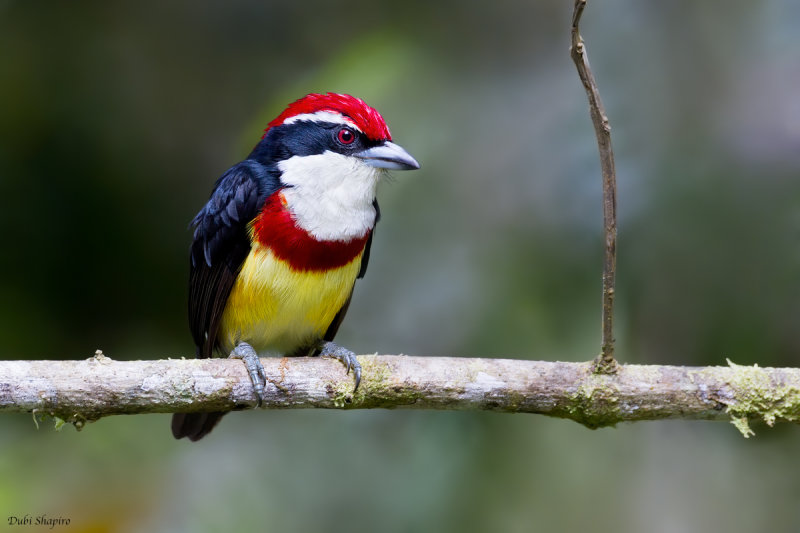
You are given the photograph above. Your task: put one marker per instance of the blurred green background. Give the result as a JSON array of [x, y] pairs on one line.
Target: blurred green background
[[116, 118]]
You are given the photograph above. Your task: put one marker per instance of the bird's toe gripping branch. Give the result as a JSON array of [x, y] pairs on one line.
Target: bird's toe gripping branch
[[348, 359], [258, 376]]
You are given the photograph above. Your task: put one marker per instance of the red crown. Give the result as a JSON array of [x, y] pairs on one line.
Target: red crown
[[367, 119]]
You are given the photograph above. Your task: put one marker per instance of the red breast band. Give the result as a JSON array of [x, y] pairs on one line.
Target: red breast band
[[275, 228]]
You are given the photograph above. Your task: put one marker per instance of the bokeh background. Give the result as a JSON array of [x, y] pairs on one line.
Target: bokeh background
[[116, 118]]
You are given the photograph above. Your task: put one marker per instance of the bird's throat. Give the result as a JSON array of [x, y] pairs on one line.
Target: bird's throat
[[275, 228], [330, 195]]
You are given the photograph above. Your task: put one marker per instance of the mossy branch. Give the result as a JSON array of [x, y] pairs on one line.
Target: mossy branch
[[86, 390]]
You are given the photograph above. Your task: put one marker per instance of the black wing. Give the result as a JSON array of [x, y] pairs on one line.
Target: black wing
[[221, 244], [365, 257]]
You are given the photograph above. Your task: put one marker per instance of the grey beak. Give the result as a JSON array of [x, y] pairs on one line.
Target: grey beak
[[388, 155]]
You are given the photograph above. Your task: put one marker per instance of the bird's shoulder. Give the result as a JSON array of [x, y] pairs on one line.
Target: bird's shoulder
[[236, 199]]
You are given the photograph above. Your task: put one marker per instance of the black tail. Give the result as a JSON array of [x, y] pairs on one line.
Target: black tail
[[194, 425]]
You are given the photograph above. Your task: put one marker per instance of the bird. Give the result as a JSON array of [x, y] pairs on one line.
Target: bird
[[284, 236]]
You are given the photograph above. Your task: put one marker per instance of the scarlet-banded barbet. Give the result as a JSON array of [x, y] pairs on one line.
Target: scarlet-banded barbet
[[284, 236]]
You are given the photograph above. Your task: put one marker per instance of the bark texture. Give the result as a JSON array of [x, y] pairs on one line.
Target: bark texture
[[86, 390], [602, 129]]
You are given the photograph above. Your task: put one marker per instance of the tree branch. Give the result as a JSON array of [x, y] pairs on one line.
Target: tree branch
[[86, 390], [605, 362]]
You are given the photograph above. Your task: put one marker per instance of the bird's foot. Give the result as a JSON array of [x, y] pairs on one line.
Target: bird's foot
[[258, 376], [348, 359]]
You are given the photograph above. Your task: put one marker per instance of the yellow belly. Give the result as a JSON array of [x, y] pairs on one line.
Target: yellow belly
[[277, 309]]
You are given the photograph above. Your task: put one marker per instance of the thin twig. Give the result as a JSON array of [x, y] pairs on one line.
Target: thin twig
[[605, 362], [86, 390]]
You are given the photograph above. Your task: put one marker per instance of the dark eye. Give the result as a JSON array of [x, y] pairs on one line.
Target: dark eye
[[346, 136]]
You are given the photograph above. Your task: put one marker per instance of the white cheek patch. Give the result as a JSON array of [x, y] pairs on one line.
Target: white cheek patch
[[322, 116], [331, 195]]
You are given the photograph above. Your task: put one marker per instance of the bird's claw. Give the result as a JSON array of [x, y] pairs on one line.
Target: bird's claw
[[348, 359], [258, 375]]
